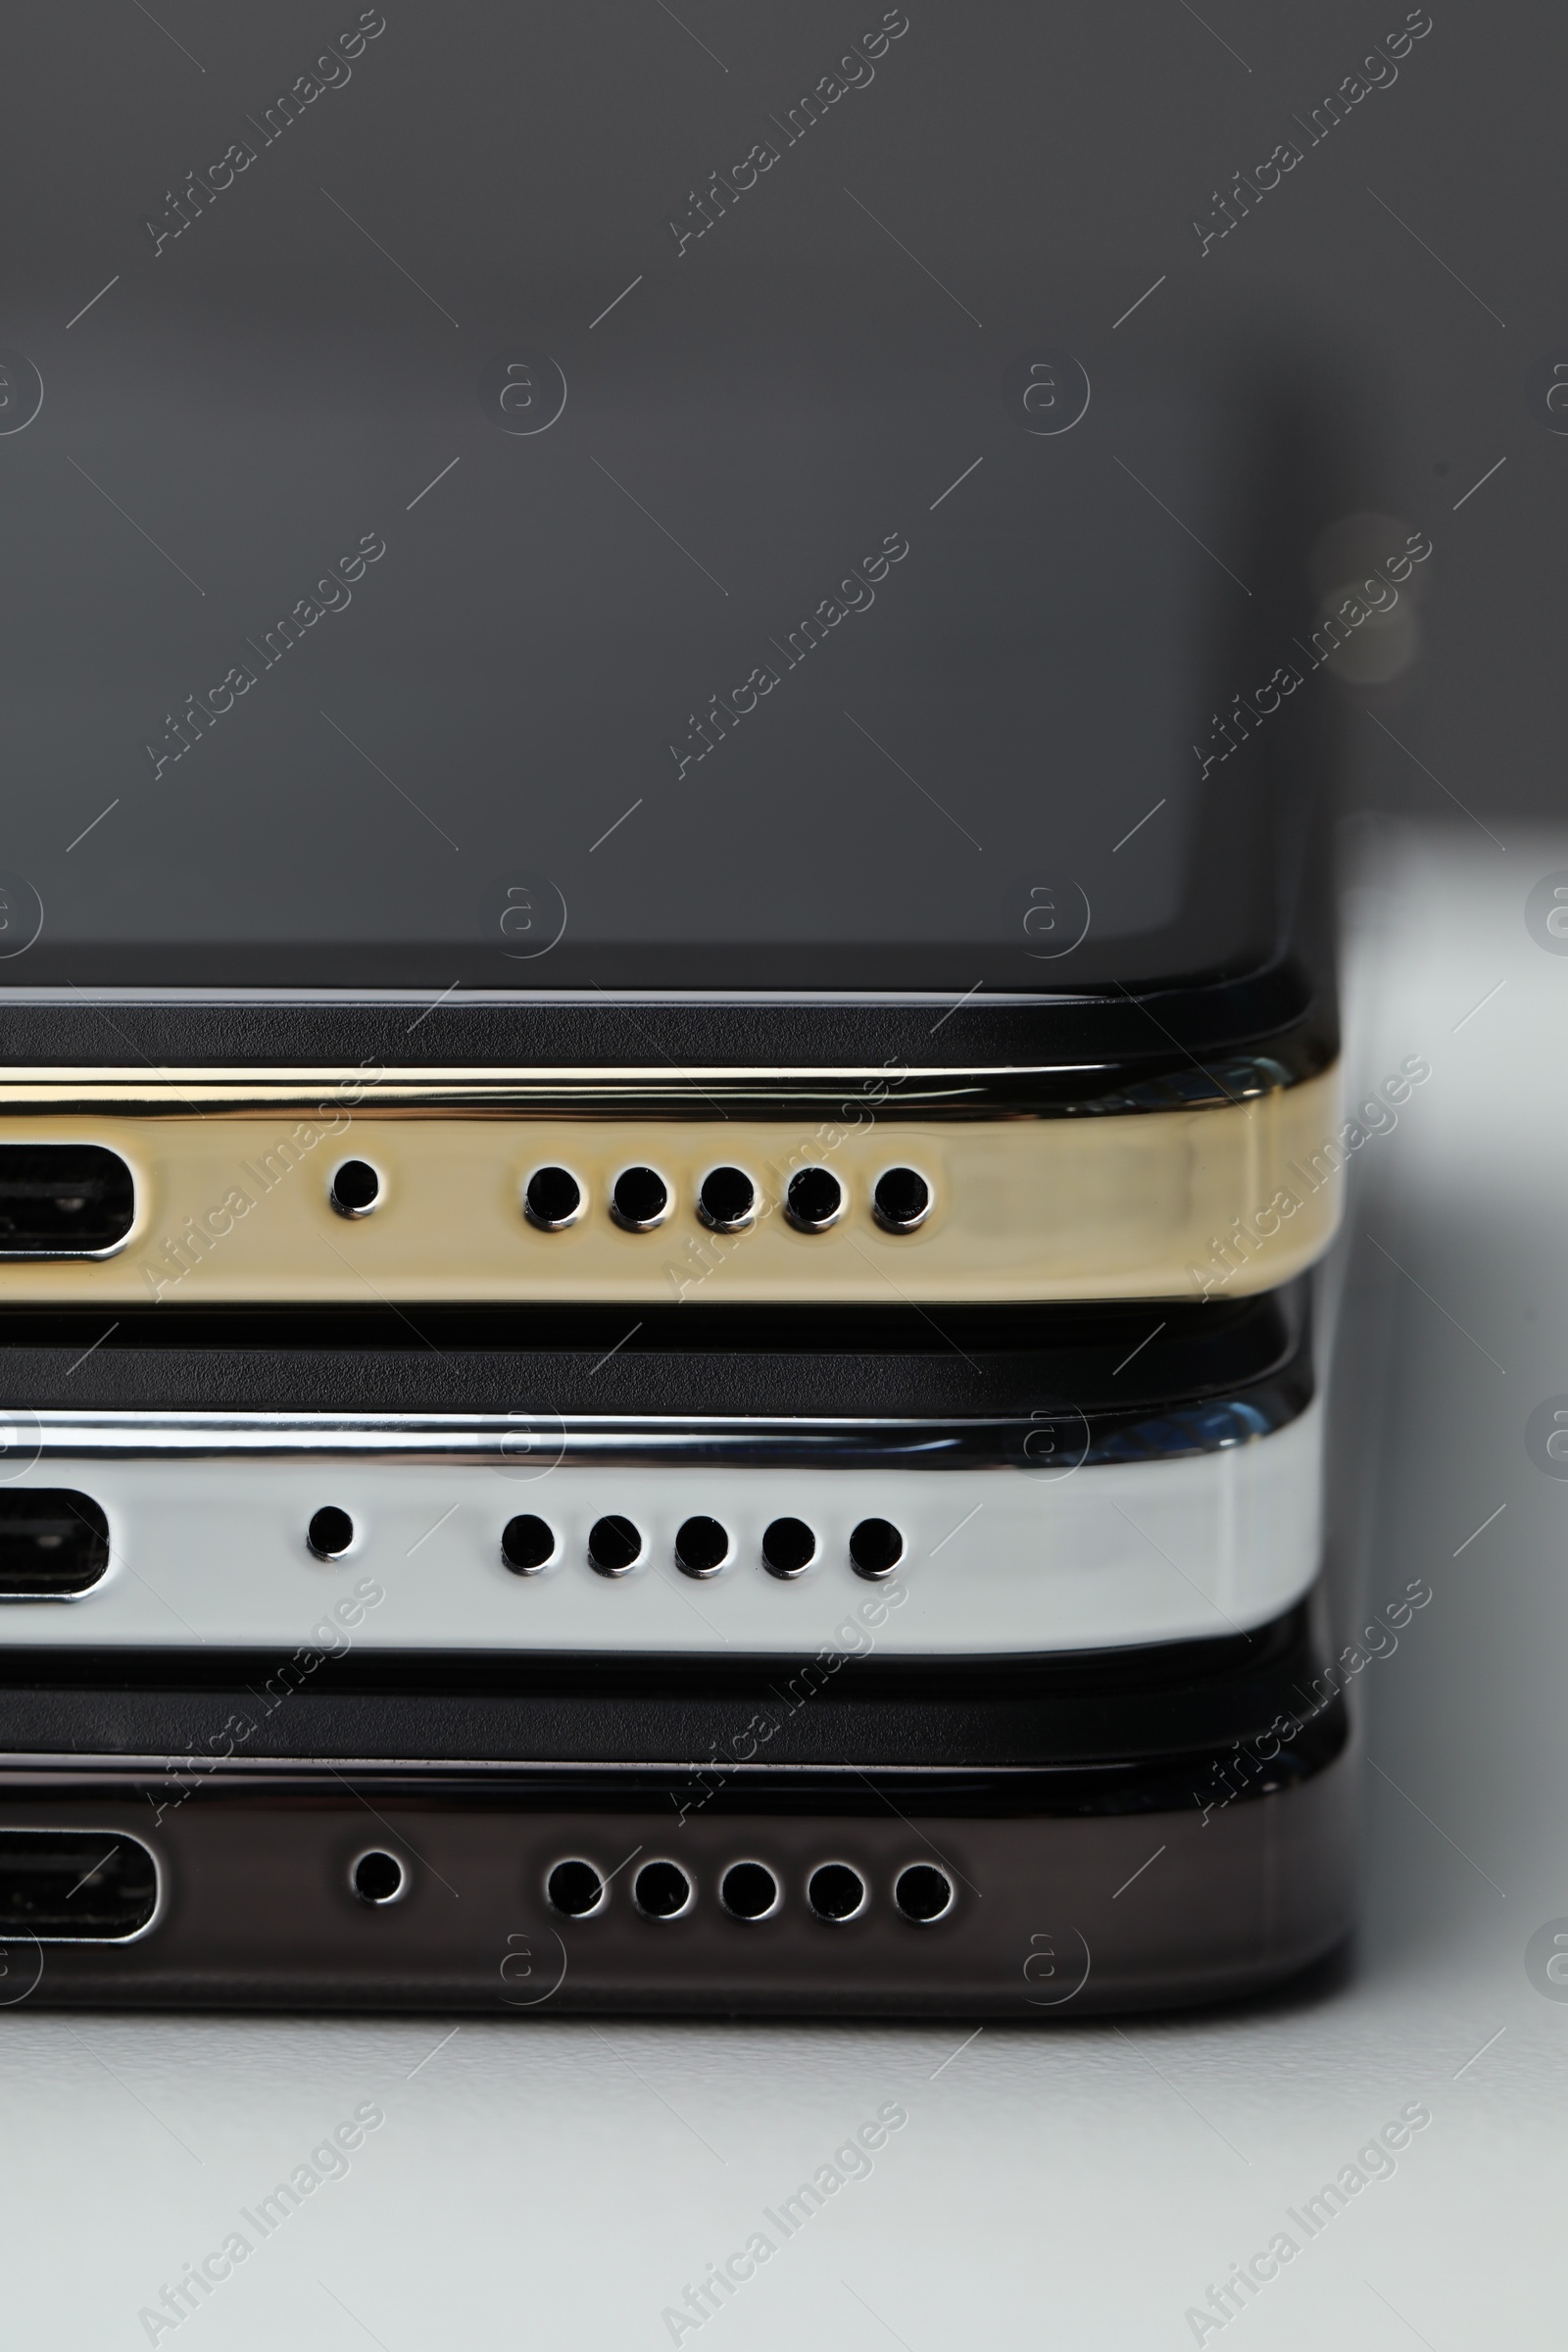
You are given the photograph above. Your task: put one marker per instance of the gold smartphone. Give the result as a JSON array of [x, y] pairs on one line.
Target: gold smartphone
[[558, 832], [934, 1184]]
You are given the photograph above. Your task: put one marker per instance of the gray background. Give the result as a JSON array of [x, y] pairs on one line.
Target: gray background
[[275, 384], [548, 2183]]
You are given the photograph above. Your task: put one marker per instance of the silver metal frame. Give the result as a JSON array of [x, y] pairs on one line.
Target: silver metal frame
[[624, 1439]]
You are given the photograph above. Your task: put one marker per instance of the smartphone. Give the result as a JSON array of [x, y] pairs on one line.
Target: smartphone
[[985, 1185], [1061, 1479], [1051, 1838], [647, 748]]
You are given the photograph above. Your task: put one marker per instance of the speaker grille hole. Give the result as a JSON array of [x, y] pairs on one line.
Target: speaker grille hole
[[923, 1892], [331, 1533], [575, 1888], [788, 1546], [814, 1198], [527, 1544], [702, 1547], [661, 1890], [835, 1892], [377, 1878], [875, 1549], [749, 1891], [901, 1199], [727, 1199], [552, 1199], [356, 1189], [614, 1544], [641, 1197]]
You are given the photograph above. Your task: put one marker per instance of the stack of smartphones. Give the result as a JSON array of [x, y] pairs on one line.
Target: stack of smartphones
[[660, 1166]]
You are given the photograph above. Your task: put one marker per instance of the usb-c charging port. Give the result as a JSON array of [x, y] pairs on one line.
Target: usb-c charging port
[[54, 1544], [75, 1886], [64, 1201]]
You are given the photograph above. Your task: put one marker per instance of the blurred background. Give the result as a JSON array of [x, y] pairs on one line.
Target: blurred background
[[1092, 2181], [242, 385]]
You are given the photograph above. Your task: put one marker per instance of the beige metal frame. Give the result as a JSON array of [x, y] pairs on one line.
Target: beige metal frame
[[233, 1178]]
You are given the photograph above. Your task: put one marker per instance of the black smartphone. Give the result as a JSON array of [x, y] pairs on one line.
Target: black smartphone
[[1042, 1838]]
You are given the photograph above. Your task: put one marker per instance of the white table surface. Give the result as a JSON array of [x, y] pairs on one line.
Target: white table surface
[[539, 2184]]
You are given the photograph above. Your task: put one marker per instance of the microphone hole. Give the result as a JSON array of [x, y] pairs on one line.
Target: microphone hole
[[377, 1878], [356, 1189], [331, 1533]]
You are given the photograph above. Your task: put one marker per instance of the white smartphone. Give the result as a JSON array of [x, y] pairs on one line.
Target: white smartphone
[[1022, 1482]]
